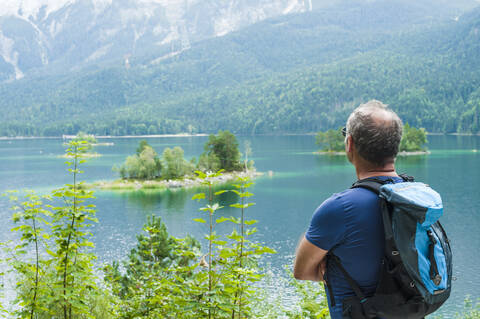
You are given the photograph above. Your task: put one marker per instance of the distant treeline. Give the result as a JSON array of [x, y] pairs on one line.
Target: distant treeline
[[429, 76]]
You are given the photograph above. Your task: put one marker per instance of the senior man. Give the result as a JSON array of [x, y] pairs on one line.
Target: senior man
[[350, 222]]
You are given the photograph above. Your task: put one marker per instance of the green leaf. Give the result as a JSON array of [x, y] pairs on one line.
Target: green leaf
[[238, 205], [268, 250], [201, 174], [199, 220], [198, 196], [222, 219], [226, 253], [236, 192], [219, 173]]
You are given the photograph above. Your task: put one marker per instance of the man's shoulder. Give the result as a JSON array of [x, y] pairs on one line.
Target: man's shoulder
[[338, 200], [332, 219], [358, 194]]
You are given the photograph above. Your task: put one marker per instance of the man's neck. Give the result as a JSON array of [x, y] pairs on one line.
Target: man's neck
[[387, 170]]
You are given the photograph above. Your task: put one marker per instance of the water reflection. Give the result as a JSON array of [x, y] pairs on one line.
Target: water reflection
[[173, 200], [146, 200], [331, 160], [412, 160]]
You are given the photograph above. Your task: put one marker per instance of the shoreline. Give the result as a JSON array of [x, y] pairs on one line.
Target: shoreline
[[3, 138], [399, 153], [185, 183], [83, 156], [414, 153], [100, 136]]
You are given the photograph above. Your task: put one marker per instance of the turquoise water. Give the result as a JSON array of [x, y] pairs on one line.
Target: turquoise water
[[300, 181]]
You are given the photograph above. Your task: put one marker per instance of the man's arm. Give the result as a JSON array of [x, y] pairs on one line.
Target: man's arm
[[309, 261]]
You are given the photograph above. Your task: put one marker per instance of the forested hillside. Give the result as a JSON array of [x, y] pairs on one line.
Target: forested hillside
[[298, 73]]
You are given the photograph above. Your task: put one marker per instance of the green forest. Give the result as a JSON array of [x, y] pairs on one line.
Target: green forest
[[251, 84]]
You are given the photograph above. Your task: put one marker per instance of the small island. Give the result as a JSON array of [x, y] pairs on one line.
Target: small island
[[90, 140], [331, 142], [146, 170], [412, 143]]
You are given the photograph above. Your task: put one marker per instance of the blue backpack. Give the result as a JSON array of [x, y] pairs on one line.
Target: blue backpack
[[416, 273]]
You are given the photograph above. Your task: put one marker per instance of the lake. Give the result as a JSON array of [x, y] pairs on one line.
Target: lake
[[285, 199]]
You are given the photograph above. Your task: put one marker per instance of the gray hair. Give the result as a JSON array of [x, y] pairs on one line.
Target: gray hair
[[376, 132]]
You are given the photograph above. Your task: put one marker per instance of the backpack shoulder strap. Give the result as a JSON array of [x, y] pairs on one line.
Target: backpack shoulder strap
[[373, 184], [407, 178], [353, 284]]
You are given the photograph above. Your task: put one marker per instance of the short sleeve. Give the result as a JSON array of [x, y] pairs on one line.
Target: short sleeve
[[327, 227]]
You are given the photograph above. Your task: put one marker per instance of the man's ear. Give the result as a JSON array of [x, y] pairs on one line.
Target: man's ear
[[349, 144]]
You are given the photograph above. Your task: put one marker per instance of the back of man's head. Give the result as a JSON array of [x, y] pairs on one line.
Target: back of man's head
[[376, 132]]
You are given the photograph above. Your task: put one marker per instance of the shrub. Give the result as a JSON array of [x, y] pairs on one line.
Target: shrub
[[174, 164], [413, 139], [331, 140], [58, 281], [143, 165], [221, 152]]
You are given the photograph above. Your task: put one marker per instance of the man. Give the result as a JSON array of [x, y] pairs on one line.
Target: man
[[350, 223]]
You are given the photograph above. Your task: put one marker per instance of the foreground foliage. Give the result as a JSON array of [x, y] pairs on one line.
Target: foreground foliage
[[58, 280], [471, 310], [163, 276]]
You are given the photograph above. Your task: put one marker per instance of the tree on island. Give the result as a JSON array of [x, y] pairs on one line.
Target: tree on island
[[247, 151], [221, 152], [141, 146], [144, 165], [413, 139], [331, 140], [174, 165]]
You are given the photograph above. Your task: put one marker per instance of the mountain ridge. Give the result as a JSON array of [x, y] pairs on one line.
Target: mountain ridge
[[255, 81], [82, 32]]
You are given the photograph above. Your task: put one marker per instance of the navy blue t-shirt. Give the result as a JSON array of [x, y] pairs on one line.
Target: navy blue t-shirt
[[350, 222]]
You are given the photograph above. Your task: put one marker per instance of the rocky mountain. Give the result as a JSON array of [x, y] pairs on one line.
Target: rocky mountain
[[51, 36], [48, 35]]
